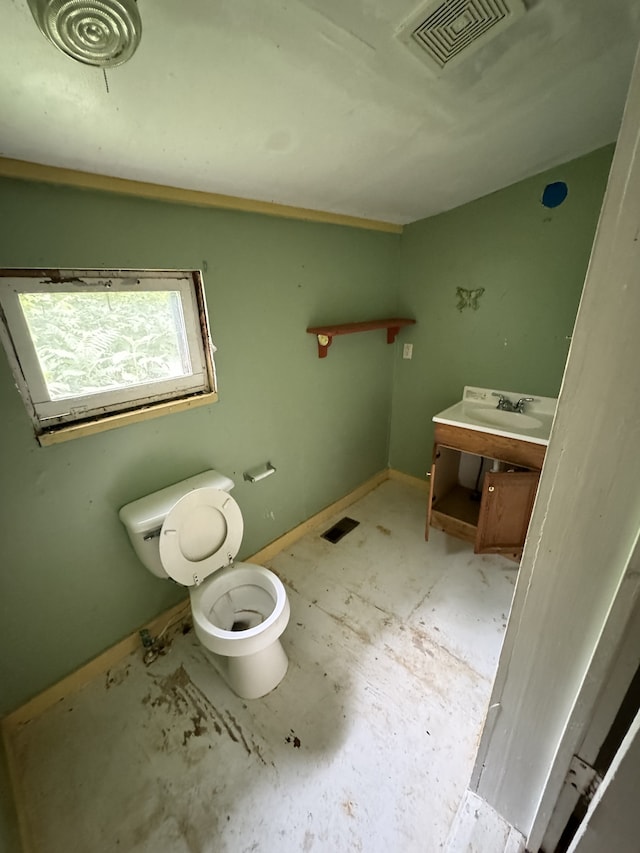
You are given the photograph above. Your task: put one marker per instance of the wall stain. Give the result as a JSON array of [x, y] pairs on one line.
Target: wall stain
[[384, 530]]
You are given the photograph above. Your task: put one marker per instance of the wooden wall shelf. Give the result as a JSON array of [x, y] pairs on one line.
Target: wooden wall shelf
[[325, 334]]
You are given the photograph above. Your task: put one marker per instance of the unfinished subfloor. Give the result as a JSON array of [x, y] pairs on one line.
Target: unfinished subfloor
[[367, 744]]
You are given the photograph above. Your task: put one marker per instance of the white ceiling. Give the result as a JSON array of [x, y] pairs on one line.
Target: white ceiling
[[316, 103]]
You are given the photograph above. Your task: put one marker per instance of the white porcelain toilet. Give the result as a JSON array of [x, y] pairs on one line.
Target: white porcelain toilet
[[191, 532]]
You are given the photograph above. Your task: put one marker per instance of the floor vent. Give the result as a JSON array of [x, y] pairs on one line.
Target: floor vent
[[444, 32], [341, 528]]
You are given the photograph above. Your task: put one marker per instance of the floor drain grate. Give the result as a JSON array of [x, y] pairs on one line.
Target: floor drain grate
[[341, 528]]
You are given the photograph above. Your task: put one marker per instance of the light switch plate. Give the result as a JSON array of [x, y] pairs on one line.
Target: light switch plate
[[407, 351]]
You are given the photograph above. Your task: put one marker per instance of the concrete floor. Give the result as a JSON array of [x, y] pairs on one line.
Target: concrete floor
[[367, 744]]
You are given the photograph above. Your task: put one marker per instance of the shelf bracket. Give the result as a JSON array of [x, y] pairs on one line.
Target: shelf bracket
[[392, 331]]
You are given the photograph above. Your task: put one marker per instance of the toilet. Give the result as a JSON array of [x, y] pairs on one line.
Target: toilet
[[191, 532]]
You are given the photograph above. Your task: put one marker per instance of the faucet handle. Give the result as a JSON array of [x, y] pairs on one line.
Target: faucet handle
[[503, 402], [519, 406]]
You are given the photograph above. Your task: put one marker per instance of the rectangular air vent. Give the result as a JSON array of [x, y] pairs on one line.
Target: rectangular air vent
[[341, 528], [444, 32]]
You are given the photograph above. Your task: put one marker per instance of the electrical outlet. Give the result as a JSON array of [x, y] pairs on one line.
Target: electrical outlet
[[407, 351]]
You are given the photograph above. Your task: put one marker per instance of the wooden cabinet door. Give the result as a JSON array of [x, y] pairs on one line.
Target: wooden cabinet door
[[505, 510], [443, 477]]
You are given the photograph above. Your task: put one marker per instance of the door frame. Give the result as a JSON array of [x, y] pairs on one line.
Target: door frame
[[612, 817], [612, 693], [579, 579]]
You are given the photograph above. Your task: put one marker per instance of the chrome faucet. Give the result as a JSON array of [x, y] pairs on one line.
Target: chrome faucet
[[506, 405]]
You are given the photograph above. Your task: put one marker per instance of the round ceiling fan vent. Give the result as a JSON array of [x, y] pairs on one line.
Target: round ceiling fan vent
[[105, 33]]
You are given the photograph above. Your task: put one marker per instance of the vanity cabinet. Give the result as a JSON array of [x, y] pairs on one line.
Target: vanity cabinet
[[496, 521]]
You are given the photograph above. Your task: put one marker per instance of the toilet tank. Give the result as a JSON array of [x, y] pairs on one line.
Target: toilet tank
[[143, 518]]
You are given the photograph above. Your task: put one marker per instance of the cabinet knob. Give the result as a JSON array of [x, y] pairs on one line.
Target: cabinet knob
[[491, 489]]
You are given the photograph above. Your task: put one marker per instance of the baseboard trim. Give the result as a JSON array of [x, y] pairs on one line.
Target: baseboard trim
[[287, 539], [96, 666], [24, 832], [113, 655], [478, 827], [408, 479]]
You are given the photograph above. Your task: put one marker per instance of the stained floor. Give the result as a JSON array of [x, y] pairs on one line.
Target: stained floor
[[367, 744]]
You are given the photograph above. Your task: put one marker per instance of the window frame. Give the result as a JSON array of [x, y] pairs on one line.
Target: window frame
[[57, 420]]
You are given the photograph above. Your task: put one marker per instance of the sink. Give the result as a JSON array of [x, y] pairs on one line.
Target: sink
[[506, 420], [477, 410]]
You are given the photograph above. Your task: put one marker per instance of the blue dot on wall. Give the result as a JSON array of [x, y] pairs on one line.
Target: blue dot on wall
[[554, 194]]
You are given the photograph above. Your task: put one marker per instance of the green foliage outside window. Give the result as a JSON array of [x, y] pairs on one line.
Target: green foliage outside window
[[92, 342]]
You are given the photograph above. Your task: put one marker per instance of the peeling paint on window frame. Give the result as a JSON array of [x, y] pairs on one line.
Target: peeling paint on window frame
[[136, 407]]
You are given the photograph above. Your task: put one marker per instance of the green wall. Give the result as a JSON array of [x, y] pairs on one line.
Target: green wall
[[70, 584], [530, 259]]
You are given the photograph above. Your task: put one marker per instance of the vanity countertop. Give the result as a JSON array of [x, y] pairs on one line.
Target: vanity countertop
[[478, 411]]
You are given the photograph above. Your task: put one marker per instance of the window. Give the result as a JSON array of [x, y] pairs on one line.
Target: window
[[88, 346]]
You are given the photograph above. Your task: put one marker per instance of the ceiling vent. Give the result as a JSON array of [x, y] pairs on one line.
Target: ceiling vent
[[445, 32]]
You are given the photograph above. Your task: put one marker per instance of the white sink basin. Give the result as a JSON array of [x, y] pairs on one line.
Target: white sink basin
[[506, 420], [478, 410]]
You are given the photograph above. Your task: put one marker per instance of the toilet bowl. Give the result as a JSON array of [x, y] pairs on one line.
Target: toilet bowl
[[191, 533], [238, 616]]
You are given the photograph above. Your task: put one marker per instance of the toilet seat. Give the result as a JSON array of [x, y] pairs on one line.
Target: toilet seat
[[200, 534]]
